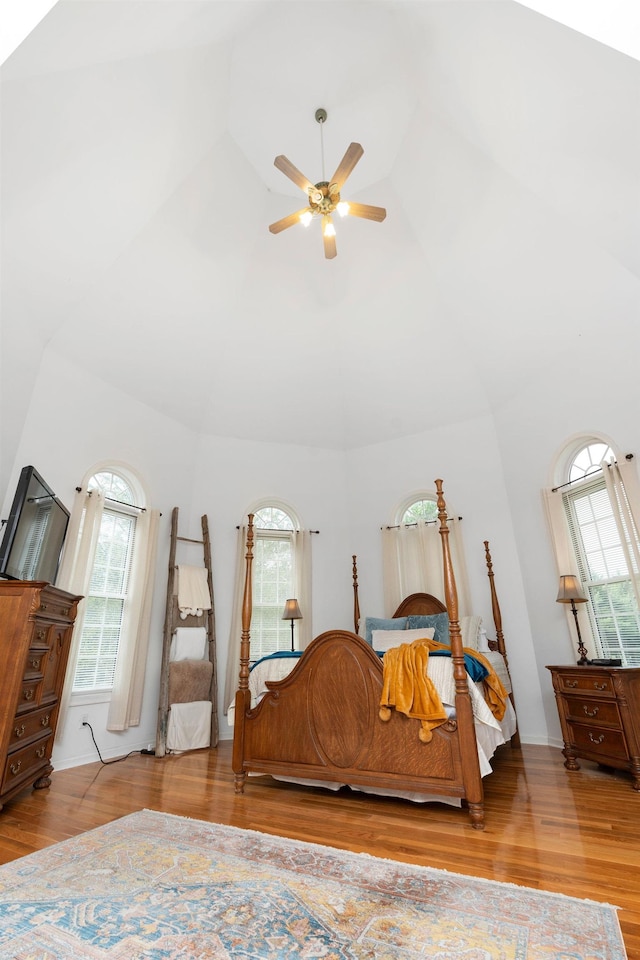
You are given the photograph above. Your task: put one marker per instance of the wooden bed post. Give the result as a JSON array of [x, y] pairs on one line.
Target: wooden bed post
[[497, 620], [356, 604], [243, 696], [464, 713]]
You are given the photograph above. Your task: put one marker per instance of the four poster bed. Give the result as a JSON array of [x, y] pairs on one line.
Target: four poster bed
[[324, 722]]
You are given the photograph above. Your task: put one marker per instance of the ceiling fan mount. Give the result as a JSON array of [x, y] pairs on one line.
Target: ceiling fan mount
[[324, 196]]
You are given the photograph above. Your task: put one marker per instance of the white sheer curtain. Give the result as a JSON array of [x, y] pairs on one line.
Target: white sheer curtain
[[412, 563], [75, 573], [301, 545], [622, 487], [128, 681]]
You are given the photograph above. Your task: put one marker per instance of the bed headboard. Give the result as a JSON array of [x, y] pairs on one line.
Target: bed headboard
[[420, 604]]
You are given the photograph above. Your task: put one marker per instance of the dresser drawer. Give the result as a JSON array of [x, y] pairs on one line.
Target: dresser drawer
[[26, 762], [29, 695], [590, 710], [35, 665], [600, 741], [31, 726], [587, 682]]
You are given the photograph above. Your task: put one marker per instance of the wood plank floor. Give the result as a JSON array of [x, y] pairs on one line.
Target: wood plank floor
[[573, 833]]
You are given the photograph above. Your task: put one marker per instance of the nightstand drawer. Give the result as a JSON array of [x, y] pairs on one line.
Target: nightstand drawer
[[584, 710], [587, 682], [598, 740]]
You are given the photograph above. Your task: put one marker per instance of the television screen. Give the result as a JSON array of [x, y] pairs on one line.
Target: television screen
[[35, 531]]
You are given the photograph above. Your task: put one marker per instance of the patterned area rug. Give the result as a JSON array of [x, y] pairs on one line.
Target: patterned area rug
[[157, 886]]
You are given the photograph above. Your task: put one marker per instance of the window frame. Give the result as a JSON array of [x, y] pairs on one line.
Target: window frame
[[275, 535], [571, 492], [112, 507]]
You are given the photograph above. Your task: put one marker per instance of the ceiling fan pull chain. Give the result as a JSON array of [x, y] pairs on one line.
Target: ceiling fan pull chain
[[321, 122]]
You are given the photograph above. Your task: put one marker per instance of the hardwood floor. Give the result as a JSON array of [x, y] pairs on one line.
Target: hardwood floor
[[574, 833]]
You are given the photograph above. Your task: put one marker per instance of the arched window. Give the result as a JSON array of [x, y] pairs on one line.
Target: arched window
[[602, 546], [273, 580], [105, 603], [424, 508], [109, 559]]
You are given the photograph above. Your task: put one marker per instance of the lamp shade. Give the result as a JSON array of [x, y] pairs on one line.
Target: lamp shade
[[570, 590], [291, 610]]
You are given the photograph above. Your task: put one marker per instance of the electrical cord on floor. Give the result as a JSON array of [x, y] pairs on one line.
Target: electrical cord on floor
[[116, 759]]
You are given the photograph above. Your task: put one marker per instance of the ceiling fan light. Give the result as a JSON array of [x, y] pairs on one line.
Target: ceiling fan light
[[343, 208], [329, 229], [306, 218]]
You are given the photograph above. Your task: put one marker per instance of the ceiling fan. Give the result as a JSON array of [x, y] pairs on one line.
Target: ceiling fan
[[324, 197]]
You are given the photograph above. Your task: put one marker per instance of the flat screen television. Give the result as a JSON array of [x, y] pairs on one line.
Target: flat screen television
[[35, 531]]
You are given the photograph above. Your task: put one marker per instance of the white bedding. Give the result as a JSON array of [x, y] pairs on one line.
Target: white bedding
[[490, 733]]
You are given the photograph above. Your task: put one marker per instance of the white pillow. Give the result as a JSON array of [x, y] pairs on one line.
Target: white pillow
[[383, 640], [188, 643], [470, 629]]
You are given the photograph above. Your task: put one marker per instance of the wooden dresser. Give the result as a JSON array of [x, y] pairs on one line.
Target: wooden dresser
[[36, 621], [599, 709]]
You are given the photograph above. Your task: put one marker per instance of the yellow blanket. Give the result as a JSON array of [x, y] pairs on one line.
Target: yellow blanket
[[495, 694], [406, 686]]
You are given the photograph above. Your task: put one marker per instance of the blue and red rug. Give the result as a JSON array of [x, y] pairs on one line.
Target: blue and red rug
[[152, 886]]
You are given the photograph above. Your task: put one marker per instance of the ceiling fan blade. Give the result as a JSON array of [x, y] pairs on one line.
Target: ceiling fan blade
[[329, 246], [367, 212], [285, 166], [328, 237], [346, 165], [289, 221]]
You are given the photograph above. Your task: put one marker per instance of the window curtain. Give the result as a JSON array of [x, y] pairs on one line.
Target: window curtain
[[412, 563], [301, 545], [623, 489], [128, 681], [75, 574]]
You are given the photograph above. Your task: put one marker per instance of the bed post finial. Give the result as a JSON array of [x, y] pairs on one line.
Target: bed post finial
[[356, 604], [495, 606], [247, 605]]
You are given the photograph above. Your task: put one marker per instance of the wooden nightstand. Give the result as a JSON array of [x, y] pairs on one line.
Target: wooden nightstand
[[599, 710]]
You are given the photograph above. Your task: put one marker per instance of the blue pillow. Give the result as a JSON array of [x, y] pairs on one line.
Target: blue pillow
[[439, 622], [374, 623]]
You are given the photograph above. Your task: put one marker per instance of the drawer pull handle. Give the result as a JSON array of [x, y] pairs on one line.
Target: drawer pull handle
[[27, 694], [596, 739], [599, 686], [40, 753], [15, 767], [590, 713], [35, 663], [44, 606], [19, 731], [41, 635], [44, 721], [571, 683]]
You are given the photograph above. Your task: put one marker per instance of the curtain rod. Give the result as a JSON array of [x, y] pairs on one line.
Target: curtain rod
[[277, 530], [561, 486], [123, 502], [415, 523]]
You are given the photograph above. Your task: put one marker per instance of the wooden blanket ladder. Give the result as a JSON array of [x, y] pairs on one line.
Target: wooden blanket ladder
[[172, 620]]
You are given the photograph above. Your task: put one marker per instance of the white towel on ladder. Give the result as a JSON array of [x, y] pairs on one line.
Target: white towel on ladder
[[193, 591]]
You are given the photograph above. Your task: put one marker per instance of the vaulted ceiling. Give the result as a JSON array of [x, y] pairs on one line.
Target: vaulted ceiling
[[138, 141]]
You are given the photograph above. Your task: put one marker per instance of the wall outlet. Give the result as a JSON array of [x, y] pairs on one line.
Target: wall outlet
[[84, 719]]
